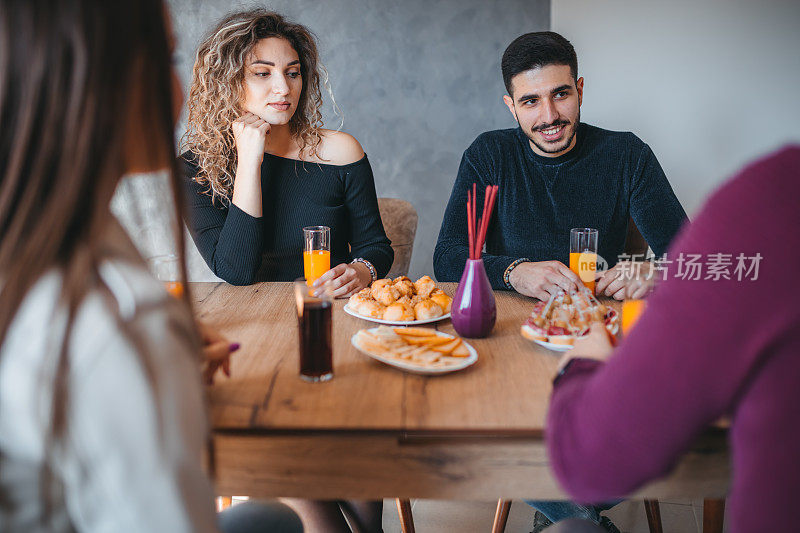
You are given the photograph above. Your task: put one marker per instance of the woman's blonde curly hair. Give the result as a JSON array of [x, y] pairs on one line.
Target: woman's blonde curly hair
[[216, 93]]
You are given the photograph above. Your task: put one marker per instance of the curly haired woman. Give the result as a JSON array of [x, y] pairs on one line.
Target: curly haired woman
[[261, 167]]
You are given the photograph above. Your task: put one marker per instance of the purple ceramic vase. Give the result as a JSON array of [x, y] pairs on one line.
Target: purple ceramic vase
[[473, 311]]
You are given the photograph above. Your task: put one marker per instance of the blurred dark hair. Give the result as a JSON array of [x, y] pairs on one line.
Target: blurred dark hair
[[68, 71], [534, 50]]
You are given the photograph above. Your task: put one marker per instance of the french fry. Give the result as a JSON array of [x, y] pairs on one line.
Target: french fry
[[415, 332], [374, 347], [460, 351], [428, 341], [448, 348]]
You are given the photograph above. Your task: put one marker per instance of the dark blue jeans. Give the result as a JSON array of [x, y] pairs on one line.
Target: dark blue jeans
[[556, 511], [259, 517]]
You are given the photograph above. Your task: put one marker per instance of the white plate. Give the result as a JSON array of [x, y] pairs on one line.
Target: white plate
[[417, 369], [563, 347], [553, 346], [395, 322]]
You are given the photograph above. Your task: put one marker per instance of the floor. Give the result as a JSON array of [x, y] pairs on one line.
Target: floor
[[431, 516]]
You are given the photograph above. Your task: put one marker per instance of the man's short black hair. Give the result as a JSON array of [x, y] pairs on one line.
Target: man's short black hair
[[537, 49]]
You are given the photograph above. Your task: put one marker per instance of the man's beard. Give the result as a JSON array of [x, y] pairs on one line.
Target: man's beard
[[549, 148]]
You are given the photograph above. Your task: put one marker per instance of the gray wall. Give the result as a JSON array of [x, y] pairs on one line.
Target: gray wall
[[709, 84], [416, 80]]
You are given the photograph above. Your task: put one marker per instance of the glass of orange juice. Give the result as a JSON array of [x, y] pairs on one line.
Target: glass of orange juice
[[166, 269], [316, 252], [631, 311], [583, 254]]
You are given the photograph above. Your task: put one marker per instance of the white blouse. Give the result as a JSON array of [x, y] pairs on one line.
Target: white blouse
[[131, 459]]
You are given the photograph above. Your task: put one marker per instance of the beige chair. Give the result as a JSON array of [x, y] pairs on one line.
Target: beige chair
[[400, 222], [635, 244]]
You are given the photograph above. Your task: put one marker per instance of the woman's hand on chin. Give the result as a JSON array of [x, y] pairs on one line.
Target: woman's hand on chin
[[250, 133], [345, 279]]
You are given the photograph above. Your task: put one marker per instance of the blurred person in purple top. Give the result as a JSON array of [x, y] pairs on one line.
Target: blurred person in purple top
[[705, 348]]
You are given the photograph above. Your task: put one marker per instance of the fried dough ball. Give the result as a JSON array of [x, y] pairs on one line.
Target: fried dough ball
[[416, 299], [404, 286], [424, 286], [383, 291], [380, 283], [427, 309], [399, 311], [441, 298], [355, 301], [371, 308]]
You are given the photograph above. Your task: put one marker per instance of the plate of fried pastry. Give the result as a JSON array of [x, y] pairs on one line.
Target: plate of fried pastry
[[557, 323], [417, 350], [400, 302]]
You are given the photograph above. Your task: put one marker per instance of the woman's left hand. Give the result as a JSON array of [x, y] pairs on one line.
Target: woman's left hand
[[598, 344], [345, 279]]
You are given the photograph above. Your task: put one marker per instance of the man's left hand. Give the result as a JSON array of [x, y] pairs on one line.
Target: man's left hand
[[636, 283]]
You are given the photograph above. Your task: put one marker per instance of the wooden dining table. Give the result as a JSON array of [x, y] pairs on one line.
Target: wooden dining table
[[374, 431]]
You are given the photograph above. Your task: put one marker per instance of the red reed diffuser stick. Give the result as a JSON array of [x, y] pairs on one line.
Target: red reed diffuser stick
[[470, 224], [477, 231]]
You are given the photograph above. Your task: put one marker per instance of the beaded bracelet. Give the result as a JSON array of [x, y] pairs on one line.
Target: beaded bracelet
[[512, 266], [368, 265]]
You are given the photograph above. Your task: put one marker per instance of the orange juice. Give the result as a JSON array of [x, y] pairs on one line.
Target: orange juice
[[175, 288], [631, 311], [585, 266], [315, 264]]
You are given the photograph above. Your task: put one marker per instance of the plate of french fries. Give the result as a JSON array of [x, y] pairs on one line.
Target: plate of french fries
[[417, 350]]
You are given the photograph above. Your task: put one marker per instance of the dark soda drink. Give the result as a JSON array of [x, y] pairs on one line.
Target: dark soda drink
[[316, 343]]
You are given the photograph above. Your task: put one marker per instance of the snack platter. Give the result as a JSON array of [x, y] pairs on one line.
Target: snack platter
[[416, 350], [400, 302], [349, 311], [556, 324]]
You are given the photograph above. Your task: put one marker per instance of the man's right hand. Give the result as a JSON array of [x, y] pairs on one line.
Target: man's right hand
[[543, 279], [250, 132]]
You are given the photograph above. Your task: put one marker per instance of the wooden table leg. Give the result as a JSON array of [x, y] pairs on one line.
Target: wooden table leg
[[501, 516], [653, 511], [406, 518], [713, 515]]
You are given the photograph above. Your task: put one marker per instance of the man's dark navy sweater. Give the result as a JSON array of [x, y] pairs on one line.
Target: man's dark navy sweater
[[607, 178]]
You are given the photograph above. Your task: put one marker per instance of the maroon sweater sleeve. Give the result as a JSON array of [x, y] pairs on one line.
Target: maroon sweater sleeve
[[612, 427]]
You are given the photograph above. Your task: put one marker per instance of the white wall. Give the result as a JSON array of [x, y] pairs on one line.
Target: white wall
[[708, 84]]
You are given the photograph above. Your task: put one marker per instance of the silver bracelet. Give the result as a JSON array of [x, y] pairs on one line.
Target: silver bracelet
[[512, 266], [368, 265]]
